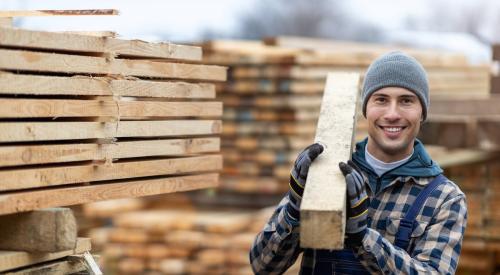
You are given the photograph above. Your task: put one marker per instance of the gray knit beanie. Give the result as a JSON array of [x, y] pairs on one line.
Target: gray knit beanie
[[397, 69]]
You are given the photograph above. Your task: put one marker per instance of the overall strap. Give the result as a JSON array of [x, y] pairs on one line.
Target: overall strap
[[406, 225]]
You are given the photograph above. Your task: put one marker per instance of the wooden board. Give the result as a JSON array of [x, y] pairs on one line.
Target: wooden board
[[58, 267], [61, 175], [40, 154], [101, 86], [16, 259], [323, 205], [71, 42], [30, 200], [93, 12], [38, 131], [28, 108], [46, 230], [64, 63]]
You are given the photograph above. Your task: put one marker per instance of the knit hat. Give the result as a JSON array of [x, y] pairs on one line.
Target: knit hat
[[397, 69]]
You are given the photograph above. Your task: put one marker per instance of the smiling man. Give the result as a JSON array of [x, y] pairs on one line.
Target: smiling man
[[403, 215]]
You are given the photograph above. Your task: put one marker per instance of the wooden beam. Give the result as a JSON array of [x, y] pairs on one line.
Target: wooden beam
[[15, 259], [471, 107], [85, 43], [43, 177], [86, 86], [58, 267], [38, 131], [41, 154], [27, 108], [47, 230], [23, 13], [323, 205], [15, 202], [77, 64]]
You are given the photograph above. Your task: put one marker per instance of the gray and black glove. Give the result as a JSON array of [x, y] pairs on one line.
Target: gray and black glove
[[298, 177], [357, 204]]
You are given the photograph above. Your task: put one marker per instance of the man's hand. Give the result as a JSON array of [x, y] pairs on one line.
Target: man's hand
[[357, 203], [298, 177]]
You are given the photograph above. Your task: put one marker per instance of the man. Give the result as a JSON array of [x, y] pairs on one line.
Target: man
[[403, 215]]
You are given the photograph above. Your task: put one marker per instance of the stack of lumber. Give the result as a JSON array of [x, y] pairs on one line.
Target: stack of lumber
[[481, 246], [87, 118], [42, 242], [180, 241], [274, 92]]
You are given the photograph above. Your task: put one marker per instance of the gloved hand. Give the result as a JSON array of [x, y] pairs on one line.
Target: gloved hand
[[357, 203], [298, 177]]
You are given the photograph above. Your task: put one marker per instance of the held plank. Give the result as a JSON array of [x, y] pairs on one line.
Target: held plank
[[20, 13], [16, 259], [38, 131], [30, 200], [323, 204], [40, 154], [43, 177], [24, 108], [66, 63], [83, 85], [80, 42]]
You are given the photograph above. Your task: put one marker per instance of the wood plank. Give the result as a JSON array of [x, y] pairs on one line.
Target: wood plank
[[47, 230], [273, 101], [85, 43], [60, 175], [16, 259], [22, 13], [40, 154], [30, 200], [65, 63], [268, 128], [83, 85], [248, 115], [473, 107], [59, 267], [323, 205], [27, 108], [38, 131]]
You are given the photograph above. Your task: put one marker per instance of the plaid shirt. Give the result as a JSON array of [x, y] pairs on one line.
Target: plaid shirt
[[434, 247]]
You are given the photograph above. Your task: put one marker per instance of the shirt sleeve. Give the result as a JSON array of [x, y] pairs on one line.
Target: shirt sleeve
[[276, 247], [436, 251]]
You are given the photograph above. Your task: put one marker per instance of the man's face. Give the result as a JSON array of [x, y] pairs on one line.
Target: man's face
[[394, 115]]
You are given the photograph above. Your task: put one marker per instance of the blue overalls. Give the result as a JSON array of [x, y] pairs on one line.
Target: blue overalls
[[345, 262]]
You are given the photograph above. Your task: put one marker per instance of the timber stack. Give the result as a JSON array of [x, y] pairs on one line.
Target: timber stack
[[89, 117]]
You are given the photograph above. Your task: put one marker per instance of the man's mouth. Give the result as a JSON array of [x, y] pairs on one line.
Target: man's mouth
[[393, 129]]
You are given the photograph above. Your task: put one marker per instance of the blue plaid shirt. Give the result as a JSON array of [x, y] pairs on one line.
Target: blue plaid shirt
[[435, 242]]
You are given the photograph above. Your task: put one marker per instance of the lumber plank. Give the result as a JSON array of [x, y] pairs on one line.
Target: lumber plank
[[323, 205], [268, 128], [61, 175], [59, 267], [16, 259], [81, 42], [30, 200], [83, 85], [38, 131], [41, 154], [22, 13], [77, 64], [273, 101], [27, 108], [46, 230]]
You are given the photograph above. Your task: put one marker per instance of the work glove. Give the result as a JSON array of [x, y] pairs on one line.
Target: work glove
[[357, 204], [298, 177]]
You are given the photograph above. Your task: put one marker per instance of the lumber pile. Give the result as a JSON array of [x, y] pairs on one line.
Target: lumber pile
[[87, 118], [273, 95], [181, 241], [481, 247]]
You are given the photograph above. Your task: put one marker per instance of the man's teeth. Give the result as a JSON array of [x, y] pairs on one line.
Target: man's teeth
[[393, 129]]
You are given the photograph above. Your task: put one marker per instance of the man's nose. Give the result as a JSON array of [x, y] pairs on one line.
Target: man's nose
[[392, 112]]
